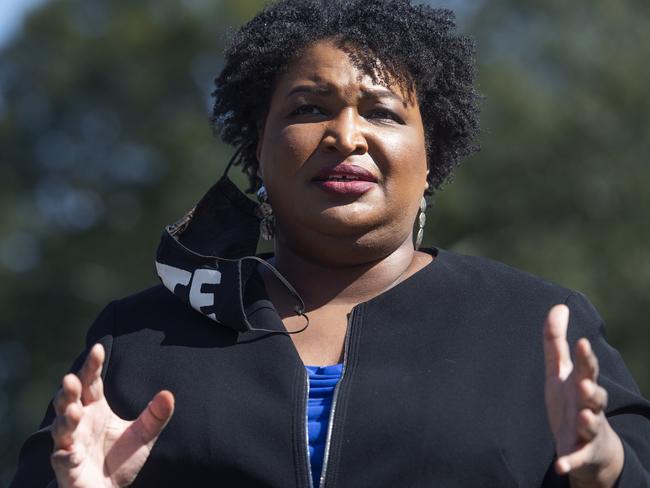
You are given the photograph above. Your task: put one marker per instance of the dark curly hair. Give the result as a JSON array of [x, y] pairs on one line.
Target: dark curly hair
[[417, 47]]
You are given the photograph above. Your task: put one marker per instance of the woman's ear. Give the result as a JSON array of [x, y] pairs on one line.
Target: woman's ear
[[426, 180]]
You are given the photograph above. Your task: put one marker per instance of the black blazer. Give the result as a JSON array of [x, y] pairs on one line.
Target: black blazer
[[443, 386]]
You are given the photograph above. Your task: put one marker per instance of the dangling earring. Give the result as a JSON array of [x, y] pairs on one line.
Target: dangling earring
[[265, 212], [422, 218]]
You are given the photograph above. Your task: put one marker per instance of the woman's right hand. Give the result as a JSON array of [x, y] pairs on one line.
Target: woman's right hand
[[93, 447]]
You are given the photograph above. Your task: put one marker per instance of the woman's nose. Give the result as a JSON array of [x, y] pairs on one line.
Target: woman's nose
[[344, 134]]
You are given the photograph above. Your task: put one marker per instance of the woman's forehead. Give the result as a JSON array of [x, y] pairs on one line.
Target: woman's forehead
[[323, 68]]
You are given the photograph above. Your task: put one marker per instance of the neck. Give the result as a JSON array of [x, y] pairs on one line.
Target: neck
[[320, 284]]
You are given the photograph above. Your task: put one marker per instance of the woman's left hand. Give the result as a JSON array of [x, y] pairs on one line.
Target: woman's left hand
[[587, 448]]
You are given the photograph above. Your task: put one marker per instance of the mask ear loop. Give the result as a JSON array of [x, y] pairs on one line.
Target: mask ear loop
[[232, 161], [298, 309]]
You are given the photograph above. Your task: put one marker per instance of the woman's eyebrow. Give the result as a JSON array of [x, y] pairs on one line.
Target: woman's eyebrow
[[365, 92], [380, 93], [316, 90]]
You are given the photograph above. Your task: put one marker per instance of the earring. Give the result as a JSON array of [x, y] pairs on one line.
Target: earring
[[265, 213], [422, 218]]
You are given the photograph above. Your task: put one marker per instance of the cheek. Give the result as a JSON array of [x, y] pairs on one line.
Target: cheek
[[402, 160], [301, 141], [288, 150]]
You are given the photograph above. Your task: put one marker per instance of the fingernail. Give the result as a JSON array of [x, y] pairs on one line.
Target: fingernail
[[565, 466]]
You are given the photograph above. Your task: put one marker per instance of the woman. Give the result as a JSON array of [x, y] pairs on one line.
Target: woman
[[449, 370]]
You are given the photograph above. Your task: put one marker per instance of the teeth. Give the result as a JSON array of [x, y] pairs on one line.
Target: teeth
[[342, 178]]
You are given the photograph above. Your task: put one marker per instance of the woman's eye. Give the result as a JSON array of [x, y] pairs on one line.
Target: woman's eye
[[307, 110], [385, 114]]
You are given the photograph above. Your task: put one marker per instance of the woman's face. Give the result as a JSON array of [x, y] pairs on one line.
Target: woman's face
[[341, 157]]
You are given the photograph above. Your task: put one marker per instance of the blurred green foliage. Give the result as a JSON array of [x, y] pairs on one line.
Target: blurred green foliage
[[104, 139]]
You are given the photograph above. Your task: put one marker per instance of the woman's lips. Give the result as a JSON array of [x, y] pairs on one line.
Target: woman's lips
[[350, 187], [345, 179]]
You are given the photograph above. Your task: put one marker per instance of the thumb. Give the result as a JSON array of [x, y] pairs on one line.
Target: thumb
[[126, 456], [557, 356], [155, 416]]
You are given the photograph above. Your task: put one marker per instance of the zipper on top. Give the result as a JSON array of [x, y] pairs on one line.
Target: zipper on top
[[306, 410], [330, 422]]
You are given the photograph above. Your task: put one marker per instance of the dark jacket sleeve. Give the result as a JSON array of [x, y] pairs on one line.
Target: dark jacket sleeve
[[627, 411], [34, 469]]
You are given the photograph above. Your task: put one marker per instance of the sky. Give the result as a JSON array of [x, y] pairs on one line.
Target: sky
[[12, 13]]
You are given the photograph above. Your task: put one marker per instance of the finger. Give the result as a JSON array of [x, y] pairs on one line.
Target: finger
[[592, 396], [575, 460], [586, 362], [90, 375], [155, 417], [587, 425], [70, 392], [64, 426], [63, 460], [140, 436], [557, 356]]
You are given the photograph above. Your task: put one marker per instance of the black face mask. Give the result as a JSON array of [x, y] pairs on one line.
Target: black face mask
[[208, 257]]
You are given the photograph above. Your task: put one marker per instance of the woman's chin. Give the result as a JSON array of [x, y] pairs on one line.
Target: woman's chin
[[339, 223], [358, 231]]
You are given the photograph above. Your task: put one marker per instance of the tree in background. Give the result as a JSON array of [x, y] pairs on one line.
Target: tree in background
[[104, 139], [559, 188]]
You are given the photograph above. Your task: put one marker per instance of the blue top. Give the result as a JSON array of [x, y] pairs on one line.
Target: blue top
[[322, 380]]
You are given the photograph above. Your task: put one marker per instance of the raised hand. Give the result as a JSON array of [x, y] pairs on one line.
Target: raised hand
[[93, 447], [588, 449]]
